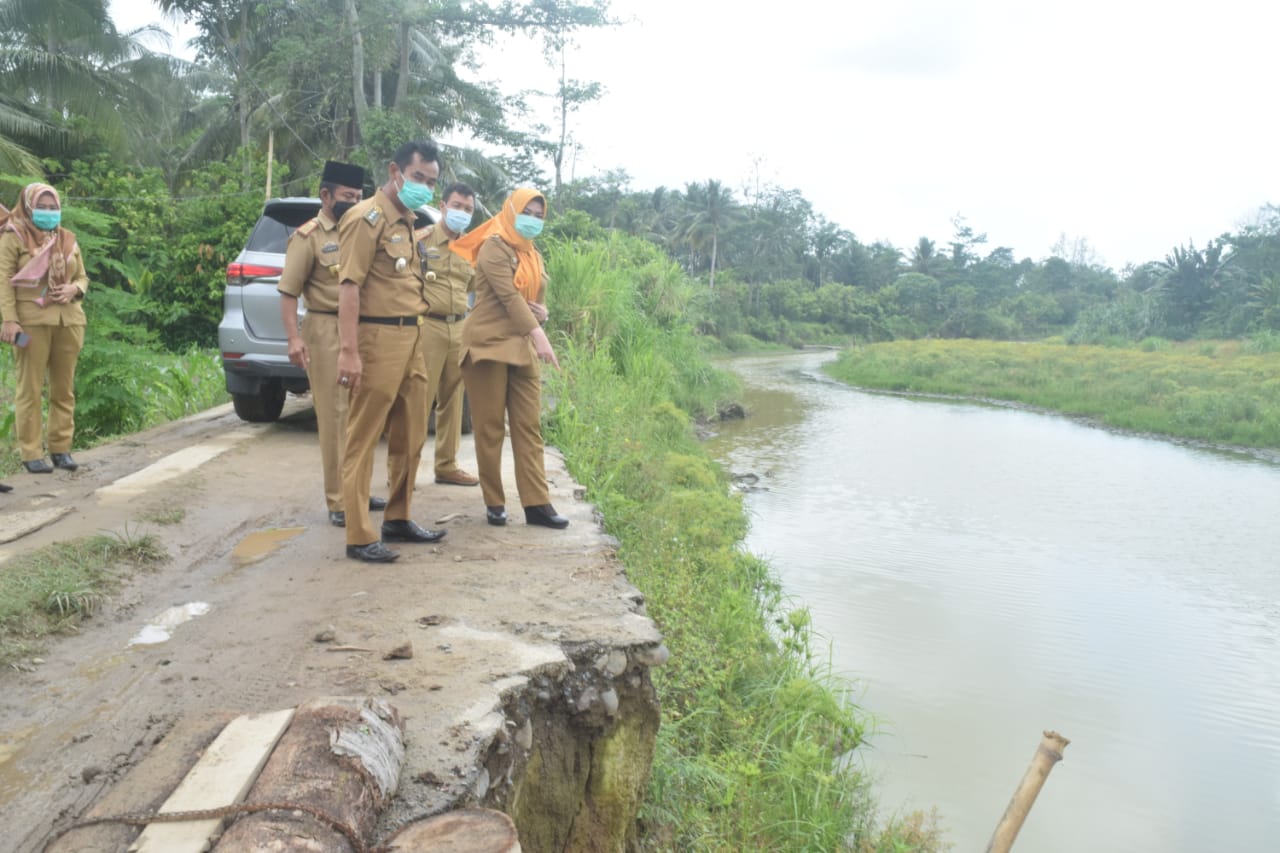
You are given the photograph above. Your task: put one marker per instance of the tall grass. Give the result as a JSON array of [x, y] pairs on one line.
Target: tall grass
[[1217, 392], [753, 721]]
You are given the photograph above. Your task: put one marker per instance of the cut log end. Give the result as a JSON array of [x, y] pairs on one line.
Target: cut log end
[[462, 831]]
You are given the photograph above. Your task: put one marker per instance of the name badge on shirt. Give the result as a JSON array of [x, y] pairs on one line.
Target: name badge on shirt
[[329, 247]]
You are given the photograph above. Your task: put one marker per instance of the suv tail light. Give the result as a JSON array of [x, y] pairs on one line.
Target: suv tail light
[[239, 274]]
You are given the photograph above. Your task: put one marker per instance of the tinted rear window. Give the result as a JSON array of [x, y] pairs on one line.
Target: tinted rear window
[[271, 234]]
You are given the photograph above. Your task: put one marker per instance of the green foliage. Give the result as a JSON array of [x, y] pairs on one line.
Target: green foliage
[[121, 389], [1154, 344], [171, 252], [383, 132], [1266, 341], [1130, 317]]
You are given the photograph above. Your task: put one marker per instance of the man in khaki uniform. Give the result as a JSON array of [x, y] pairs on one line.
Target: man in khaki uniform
[[381, 312], [447, 292], [311, 272]]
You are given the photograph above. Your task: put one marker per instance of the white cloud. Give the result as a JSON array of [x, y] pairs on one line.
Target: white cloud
[[1137, 125]]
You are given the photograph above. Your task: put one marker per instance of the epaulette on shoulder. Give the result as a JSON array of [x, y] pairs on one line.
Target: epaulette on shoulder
[[424, 232], [307, 227], [372, 215]]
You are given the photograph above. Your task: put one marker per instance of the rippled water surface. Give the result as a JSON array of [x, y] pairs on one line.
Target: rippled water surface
[[986, 573]]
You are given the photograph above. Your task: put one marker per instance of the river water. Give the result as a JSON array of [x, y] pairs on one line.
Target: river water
[[984, 574]]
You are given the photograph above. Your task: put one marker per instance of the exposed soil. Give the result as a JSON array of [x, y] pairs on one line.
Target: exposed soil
[[290, 618]]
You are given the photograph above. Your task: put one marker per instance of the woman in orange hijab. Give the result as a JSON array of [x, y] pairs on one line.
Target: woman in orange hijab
[[503, 348], [42, 281]]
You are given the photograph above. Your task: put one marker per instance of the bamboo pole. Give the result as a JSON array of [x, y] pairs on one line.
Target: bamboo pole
[[271, 155], [1048, 753]]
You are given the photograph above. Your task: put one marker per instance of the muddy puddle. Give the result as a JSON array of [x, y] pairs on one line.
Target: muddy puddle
[[256, 546]]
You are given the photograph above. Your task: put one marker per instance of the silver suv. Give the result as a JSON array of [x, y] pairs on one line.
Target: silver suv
[[251, 336]]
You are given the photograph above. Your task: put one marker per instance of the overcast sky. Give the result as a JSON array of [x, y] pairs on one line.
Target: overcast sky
[[1134, 124]]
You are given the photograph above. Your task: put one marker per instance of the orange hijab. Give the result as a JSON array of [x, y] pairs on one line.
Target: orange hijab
[[49, 249], [528, 274]]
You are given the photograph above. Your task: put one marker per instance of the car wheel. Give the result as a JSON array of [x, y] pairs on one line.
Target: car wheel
[[263, 407]]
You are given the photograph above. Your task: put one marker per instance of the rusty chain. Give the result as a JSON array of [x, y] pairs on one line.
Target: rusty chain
[[343, 829]]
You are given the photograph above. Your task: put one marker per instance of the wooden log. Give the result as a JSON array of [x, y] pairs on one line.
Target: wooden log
[[461, 831], [1048, 753], [340, 758]]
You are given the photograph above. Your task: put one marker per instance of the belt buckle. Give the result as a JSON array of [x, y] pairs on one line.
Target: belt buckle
[[421, 319]]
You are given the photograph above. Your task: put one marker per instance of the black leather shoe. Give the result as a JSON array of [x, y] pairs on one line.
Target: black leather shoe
[[377, 504], [374, 552], [546, 516], [337, 518], [38, 466], [4, 488], [496, 515], [64, 461], [408, 531]]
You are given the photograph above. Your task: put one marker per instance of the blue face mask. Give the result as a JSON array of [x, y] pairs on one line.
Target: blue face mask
[[414, 195], [456, 220], [46, 220], [528, 226]]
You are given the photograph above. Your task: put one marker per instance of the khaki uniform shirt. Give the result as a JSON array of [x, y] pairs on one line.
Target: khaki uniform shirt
[[311, 265], [19, 303], [499, 326], [455, 277], [376, 251]]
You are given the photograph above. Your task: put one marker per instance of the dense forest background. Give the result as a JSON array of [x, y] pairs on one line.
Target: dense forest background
[[164, 165]]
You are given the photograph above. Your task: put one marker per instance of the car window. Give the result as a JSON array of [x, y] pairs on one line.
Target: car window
[[271, 234]]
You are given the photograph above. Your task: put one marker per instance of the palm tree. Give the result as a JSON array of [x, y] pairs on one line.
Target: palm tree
[[235, 37], [924, 256], [710, 210], [1187, 280], [61, 71]]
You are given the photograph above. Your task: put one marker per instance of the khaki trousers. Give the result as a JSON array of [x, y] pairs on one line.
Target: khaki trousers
[[52, 352], [497, 388], [392, 395], [320, 334], [444, 386]]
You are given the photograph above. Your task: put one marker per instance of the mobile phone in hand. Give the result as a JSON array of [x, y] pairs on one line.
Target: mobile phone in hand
[[21, 339]]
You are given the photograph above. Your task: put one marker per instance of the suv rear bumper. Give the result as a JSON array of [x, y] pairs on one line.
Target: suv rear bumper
[[245, 375]]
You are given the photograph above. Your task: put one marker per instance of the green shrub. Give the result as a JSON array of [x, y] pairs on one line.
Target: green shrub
[[1266, 341]]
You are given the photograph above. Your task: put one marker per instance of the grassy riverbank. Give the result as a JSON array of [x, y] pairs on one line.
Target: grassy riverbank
[[753, 723], [1211, 391]]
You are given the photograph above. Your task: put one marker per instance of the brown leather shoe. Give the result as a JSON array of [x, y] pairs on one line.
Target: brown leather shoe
[[458, 477]]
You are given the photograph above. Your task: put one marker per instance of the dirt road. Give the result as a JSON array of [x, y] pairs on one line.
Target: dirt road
[[486, 609]]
